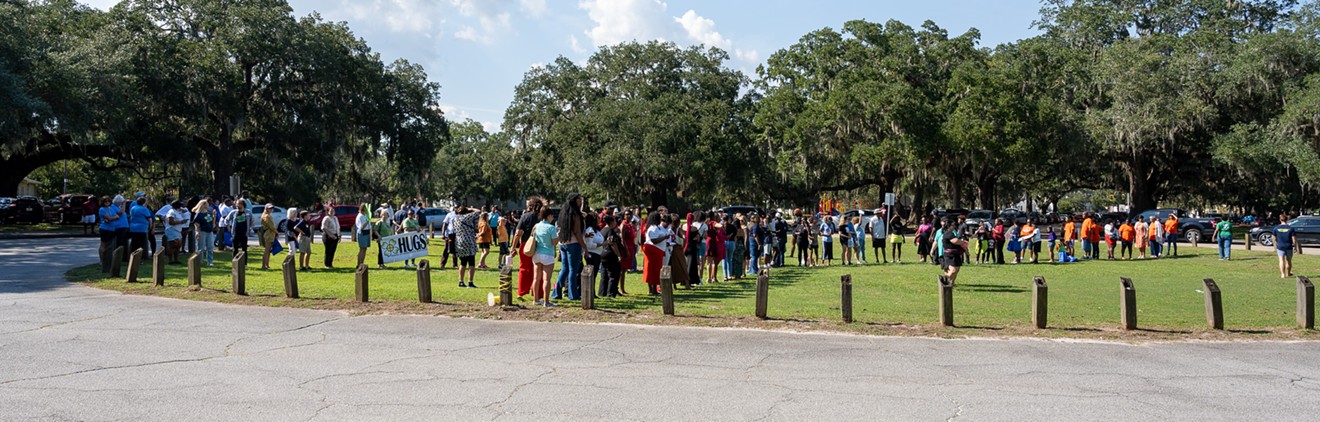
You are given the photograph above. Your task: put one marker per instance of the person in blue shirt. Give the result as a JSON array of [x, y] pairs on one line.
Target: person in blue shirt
[[1283, 242], [108, 214], [827, 239], [120, 207], [139, 224]]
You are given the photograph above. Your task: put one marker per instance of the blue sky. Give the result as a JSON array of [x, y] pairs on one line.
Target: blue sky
[[478, 50]]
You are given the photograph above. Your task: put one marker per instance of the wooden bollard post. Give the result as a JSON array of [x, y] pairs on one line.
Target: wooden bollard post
[[423, 281], [158, 267], [667, 290], [360, 284], [290, 268], [195, 271], [1040, 302], [1127, 303], [1247, 238], [762, 294], [587, 289], [1214, 305], [845, 290], [238, 273], [134, 265], [1305, 303], [946, 301], [506, 286], [118, 261]]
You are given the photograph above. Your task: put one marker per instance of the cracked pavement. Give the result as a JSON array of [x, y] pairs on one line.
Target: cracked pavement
[[69, 352]]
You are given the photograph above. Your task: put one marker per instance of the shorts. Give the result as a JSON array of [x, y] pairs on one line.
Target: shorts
[[951, 260], [484, 246], [1035, 247], [107, 235], [172, 235], [769, 250], [467, 261], [504, 248], [89, 219], [543, 259], [878, 243], [897, 239], [364, 241], [1285, 253], [305, 247]]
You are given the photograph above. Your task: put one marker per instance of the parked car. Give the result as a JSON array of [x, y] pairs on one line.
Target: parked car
[[1190, 229], [742, 209], [979, 217], [5, 212], [279, 214], [1306, 230], [866, 215], [26, 209], [940, 213], [346, 214], [66, 209], [435, 217]]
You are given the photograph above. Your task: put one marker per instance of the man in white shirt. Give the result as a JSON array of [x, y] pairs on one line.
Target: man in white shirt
[[450, 247], [879, 231], [176, 218], [223, 220]]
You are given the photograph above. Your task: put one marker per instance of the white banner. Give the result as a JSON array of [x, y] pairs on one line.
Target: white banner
[[409, 245]]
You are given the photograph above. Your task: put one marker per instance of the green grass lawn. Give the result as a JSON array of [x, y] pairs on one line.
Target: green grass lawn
[[1083, 297]]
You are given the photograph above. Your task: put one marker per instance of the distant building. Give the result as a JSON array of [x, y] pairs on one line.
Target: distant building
[[28, 187]]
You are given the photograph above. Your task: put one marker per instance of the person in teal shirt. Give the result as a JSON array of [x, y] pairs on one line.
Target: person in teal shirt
[[1224, 235], [139, 224], [547, 241]]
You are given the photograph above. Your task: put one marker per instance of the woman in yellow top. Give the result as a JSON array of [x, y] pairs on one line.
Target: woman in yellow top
[[268, 233], [484, 236]]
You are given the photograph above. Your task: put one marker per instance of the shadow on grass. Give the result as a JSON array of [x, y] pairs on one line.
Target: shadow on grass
[[977, 327], [991, 288], [1257, 332], [1081, 329]]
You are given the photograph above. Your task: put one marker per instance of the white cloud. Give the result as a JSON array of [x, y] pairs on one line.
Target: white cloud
[[750, 56], [577, 47], [469, 33], [490, 19], [100, 4], [702, 30], [625, 20], [534, 8]]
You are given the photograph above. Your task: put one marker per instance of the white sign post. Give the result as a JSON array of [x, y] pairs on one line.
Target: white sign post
[[409, 245], [890, 199]]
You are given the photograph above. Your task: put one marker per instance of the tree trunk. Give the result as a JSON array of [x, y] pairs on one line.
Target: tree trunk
[[957, 190], [659, 197], [1140, 195], [985, 193], [223, 161]]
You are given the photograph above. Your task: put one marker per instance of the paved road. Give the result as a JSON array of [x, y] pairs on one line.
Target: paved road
[[76, 353]]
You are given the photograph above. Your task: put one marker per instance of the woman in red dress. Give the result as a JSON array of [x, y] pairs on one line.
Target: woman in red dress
[[629, 257], [653, 250]]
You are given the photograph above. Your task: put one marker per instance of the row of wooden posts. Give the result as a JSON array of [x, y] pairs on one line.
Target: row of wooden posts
[[1214, 302]]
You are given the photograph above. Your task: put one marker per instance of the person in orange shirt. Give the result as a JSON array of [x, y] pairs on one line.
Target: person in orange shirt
[[1085, 235], [1156, 237], [1094, 236], [1171, 235], [1069, 235], [1126, 234]]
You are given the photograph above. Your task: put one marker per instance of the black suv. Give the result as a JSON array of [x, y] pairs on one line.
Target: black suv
[[26, 209]]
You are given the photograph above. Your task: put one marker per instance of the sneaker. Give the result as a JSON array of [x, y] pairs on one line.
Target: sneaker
[[461, 285], [550, 304], [472, 285]]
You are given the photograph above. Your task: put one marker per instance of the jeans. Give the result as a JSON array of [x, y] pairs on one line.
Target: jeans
[[859, 247], [570, 276], [752, 263], [779, 251], [729, 248], [1225, 246], [1171, 243], [593, 261], [206, 247]]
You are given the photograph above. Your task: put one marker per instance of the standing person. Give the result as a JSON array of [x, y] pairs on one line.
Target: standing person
[[1156, 237], [571, 243], [897, 238], [781, 238], [653, 251], [1125, 234], [879, 236], [859, 240], [1140, 237], [798, 222], [827, 240], [845, 240], [953, 250], [1085, 235], [330, 232], [176, 219], [531, 216], [595, 247], [240, 223], [305, 233], [1284, 237], [545, 239], [362, 232], [998, 238], [89, 208], [267, 235], [924, 232], [222, 218], [982, 242], [1014, 239], [692, 240], [730, 247], [612, 248], [753, 242], [380, 229], [465, 236], [628, 231], [1111, 237], [204, 225], [1030, 236], [140, 222], [802, 241], [1095, 237], [714, 243], [502, 237], [108, 214], [1069, 234], [450, 248], [1053, 239], [1171, 234], [1224, 236], [485, 236], [121, 207], [738, 252]]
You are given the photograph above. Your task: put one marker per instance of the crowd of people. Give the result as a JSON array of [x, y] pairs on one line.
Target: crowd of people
[[699, 247]]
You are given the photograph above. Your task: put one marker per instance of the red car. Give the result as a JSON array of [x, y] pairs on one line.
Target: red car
[[346, 214], [66, 209]]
